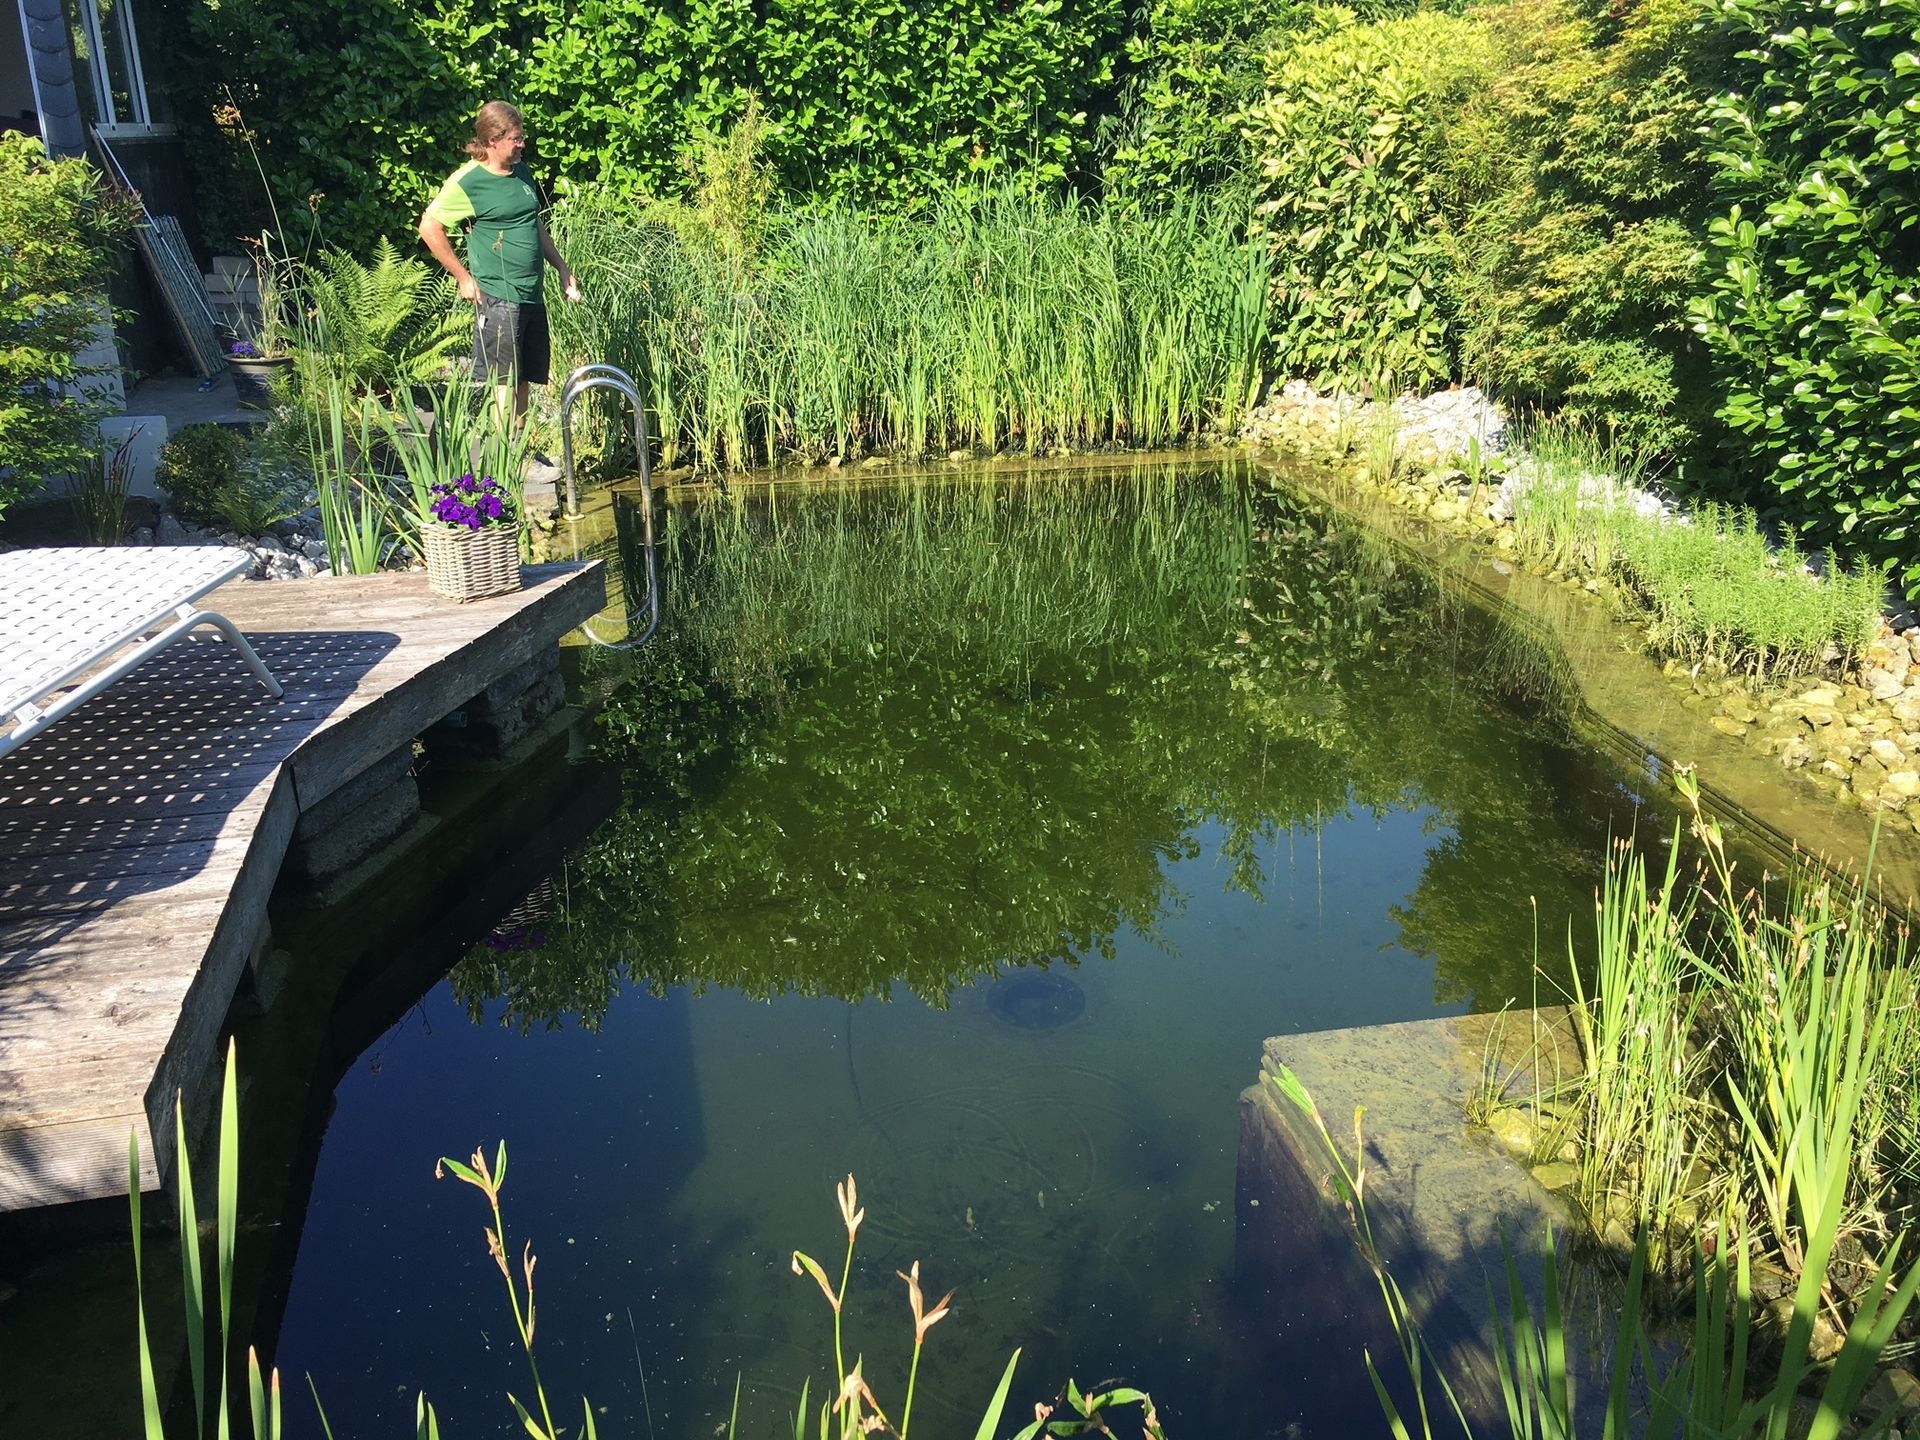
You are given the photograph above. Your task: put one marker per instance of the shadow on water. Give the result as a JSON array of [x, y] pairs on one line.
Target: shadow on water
[[970, 836]]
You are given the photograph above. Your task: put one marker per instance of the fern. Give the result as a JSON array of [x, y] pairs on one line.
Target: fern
[[389, 323]]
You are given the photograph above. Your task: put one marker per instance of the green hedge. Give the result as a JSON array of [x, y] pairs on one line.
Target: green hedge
[[1351, 138], [880, 102], [1815, 262]]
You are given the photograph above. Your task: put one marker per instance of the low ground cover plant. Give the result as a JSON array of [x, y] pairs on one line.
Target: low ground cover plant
[[1704, 586]]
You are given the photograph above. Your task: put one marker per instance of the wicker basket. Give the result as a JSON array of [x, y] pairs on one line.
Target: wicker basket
[[465, 564]]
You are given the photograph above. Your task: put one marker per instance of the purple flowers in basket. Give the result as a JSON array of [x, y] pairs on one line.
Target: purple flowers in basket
[[472, 503], [244, 350]]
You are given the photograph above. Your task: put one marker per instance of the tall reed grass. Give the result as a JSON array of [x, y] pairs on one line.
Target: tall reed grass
[[998, 320], [1747, 1051]]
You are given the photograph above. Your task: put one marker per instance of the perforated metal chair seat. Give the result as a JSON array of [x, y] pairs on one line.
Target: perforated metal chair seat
[[75, 620]]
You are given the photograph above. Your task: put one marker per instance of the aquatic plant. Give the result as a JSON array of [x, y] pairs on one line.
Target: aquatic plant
[[994, 320], [1640, 1125], [1813, 1001], [853, 1410], [1721, 1384], [1744, 1051], [1708, 585], [488, 1179], [263, 1397]]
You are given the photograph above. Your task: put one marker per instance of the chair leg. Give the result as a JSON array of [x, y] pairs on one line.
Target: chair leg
[[231, 633]]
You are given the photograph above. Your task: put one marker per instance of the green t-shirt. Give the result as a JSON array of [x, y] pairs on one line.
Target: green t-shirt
[[503, 245]]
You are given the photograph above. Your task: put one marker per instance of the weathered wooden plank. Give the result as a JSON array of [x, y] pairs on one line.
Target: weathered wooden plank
[[77, 1160], [121, 832], [564, 597], [63, 880], [141, 836]]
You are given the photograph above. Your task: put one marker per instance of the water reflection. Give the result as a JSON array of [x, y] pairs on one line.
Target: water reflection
[[972, 836], [915, 735]]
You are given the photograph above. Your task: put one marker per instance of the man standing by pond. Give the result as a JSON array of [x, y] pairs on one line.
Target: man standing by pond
[[494, 194]]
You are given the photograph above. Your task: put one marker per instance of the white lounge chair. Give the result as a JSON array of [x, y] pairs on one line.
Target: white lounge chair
[[91, 615]]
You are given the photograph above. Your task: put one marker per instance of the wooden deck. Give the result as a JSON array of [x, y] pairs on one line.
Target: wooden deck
[[140, 838]]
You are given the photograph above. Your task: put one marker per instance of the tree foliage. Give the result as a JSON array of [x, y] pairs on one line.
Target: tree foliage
[[60, 233], [1350, 138], [1814, 262]]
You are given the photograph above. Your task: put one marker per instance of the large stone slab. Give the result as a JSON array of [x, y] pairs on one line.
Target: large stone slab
[[1438, 1197]]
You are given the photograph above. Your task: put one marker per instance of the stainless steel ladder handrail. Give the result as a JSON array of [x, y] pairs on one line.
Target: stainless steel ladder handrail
[[602, 376]]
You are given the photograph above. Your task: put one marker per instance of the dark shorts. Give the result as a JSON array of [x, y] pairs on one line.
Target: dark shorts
[[510, 342]]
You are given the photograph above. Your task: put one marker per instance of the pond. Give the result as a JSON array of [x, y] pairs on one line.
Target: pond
[[971, 836], [968, 835]]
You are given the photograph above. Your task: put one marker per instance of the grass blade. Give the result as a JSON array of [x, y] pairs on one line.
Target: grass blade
[[990, 1421]]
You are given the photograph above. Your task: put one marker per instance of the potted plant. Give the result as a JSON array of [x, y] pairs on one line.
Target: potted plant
[[259, 350], [471, 538]]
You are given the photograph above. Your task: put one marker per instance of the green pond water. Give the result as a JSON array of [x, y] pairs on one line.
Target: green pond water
[[971, 835]]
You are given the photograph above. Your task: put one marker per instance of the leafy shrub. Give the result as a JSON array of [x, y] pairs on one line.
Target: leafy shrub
[[1350, 138], [1193, 68], [210, 474], [1814, 263], [59, 237], [884, 104], [199, 464], [1582, 192]]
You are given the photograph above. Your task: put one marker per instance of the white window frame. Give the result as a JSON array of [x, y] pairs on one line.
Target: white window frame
[[109, 120]]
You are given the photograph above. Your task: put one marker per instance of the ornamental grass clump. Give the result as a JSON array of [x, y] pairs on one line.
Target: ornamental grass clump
[[460, 432], [1750, 1053]]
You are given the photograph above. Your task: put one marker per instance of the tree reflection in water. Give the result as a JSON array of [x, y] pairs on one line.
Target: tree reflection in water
[[916, 734]]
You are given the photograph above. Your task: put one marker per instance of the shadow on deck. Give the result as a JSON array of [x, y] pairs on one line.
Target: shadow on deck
[[141, 836]]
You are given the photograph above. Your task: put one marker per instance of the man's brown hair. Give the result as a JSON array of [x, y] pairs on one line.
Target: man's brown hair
[[496, 119]]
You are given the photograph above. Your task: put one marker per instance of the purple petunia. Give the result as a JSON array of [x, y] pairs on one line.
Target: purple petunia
[[471, 503], [244, 350]]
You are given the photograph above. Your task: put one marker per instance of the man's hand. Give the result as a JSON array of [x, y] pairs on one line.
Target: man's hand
[[469, 290], [570, 287]]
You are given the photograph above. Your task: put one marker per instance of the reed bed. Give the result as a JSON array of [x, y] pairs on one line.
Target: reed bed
[[1749, 1054], [996, 321]]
